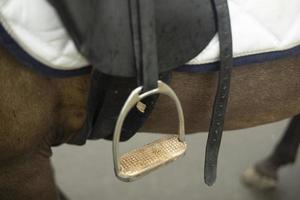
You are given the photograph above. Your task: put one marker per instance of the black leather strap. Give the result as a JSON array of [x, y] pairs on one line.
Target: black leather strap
[[144, 42], [220, 104]]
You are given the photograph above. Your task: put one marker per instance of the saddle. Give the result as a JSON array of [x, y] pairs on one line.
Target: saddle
[[137, 43]]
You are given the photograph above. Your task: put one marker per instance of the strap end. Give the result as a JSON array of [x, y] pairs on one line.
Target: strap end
[[210, 175]]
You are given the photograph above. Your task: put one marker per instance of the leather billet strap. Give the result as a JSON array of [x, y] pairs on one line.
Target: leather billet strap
[[142, 19], [220, 104]]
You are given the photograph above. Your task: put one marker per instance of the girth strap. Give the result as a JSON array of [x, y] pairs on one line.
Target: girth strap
[[142, 20], [220, 104]]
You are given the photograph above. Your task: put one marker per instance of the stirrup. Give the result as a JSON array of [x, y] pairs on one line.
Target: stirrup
[[142, 161]]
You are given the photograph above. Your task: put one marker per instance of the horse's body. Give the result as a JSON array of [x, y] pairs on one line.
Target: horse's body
[[38, 112]]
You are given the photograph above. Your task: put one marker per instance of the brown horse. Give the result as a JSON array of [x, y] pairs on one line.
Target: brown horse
[[38, 112]]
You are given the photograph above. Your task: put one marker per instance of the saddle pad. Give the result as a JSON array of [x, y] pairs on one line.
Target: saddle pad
[[35, 26], [259, 26]]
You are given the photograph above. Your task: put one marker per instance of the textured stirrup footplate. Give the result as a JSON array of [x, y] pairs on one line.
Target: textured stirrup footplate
[[143, 160]]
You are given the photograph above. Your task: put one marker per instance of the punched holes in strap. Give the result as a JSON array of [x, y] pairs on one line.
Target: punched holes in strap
[[221, 99]]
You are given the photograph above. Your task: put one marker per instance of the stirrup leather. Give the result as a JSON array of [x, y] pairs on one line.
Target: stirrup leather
[[143, 160]]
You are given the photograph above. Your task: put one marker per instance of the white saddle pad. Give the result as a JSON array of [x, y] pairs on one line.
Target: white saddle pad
[[258, 26]]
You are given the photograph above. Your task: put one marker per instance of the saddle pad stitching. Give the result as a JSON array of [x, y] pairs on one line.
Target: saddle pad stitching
[[8, 42], [21, 43], [258, 22], [241, 61], [45, 61], [250, 53]]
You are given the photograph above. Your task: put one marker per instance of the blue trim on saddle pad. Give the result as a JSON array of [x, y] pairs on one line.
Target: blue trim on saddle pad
[[242, 61], [7, 41], [11, 45]]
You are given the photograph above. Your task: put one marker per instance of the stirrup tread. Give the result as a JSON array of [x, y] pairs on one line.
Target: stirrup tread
[[151, 156]]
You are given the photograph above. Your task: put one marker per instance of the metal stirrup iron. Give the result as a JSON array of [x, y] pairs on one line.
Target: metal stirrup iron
[[141, 161]]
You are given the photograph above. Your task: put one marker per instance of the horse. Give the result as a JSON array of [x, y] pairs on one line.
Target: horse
[[40, 112]]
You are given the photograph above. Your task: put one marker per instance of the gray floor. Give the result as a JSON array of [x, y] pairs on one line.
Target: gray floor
[[86, 173]]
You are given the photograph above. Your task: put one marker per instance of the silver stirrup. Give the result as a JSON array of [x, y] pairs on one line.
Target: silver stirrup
[[141, 161]]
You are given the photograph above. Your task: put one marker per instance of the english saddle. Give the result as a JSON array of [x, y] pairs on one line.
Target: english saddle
[[134, 43]]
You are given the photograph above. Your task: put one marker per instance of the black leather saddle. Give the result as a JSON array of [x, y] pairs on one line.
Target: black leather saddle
[[103, 31], [137, 42]]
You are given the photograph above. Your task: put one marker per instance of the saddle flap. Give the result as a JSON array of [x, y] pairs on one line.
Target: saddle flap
[[102, 31]]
